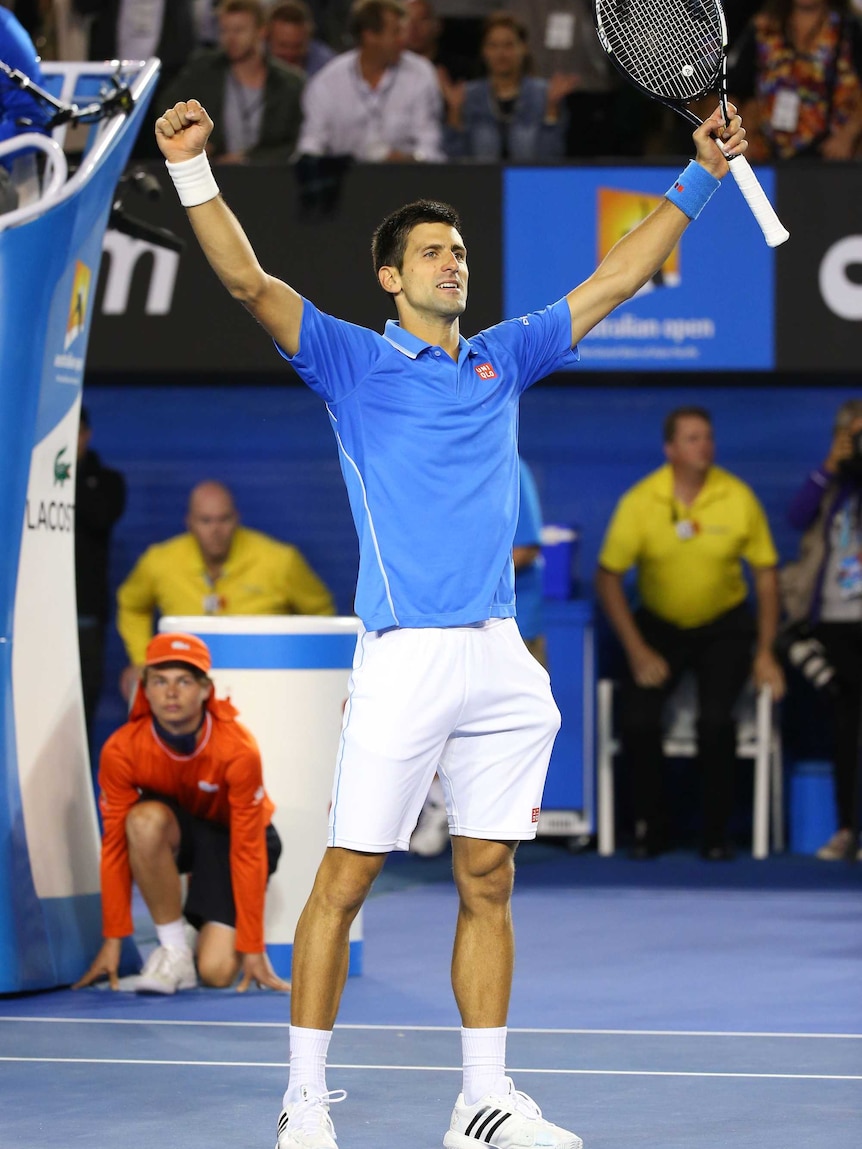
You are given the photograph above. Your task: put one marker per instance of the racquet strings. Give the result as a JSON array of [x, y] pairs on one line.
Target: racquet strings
[[672, 48]]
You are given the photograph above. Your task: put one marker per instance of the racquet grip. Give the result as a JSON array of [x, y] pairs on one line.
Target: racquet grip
[[773, 229]]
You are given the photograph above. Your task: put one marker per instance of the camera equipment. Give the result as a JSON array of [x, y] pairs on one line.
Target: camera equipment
[[802, 649], [117, 98]]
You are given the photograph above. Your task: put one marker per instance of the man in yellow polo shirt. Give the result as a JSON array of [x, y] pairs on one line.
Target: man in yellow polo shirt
[[217, 567], [686, 529]]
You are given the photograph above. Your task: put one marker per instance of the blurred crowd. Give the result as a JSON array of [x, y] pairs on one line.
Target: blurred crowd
[[386, 80]]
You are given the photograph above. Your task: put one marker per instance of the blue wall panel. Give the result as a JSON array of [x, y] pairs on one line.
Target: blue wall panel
[[274, 447]]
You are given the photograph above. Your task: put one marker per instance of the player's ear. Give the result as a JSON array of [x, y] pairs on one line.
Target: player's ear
[[389, 280]]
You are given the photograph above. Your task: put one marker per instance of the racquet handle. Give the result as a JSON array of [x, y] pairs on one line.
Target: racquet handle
[[773, 229]]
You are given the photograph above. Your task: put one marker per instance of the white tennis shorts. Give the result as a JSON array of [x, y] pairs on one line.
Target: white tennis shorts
[[470, 703]]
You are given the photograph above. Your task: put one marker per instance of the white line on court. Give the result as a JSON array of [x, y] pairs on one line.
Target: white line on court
[[435, 1068], [436, 1028]]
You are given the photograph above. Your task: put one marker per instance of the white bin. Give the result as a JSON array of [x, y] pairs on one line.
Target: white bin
[[287, 677]]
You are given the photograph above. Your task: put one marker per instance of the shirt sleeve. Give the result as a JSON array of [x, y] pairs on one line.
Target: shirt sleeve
[[334, 356], [136, 601], [428, 122], [759, 549], [540, 342], [248, 864], [315, 135], [622, 541], [117, 795], [307, 592]]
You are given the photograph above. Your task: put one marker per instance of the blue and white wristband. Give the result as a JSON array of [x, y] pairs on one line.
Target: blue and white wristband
[[693, 189]]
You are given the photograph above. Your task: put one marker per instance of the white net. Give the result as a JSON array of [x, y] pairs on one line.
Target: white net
[[673, 48]]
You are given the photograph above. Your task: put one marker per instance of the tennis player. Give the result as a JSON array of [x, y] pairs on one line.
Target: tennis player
[[426, 427]]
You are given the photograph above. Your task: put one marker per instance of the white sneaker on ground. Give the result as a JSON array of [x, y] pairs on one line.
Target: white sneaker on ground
[[306, 1124], [513, 1121], [431, 836], [166, 970]]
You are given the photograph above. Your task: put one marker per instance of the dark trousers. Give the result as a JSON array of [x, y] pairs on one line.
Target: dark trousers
[[843, 645], [91, 644], [719, 654]]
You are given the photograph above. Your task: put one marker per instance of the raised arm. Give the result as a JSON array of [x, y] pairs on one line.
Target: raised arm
[[634, 259], [182, 133]]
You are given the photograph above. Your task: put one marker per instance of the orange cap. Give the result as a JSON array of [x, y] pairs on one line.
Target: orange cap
[[185, 648]]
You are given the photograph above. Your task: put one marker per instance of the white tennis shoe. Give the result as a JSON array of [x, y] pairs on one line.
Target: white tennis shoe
[[513, 1121], [166, 970], [306, 1124]]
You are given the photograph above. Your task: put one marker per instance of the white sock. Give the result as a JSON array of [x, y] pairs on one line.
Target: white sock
[[484, 1052], [308, 1049], [173, 934]]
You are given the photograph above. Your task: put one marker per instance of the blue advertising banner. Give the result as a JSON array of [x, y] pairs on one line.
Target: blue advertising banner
[[50, 249], [711, 307]]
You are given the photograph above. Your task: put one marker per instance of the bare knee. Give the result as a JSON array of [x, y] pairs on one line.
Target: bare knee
[[151, 826], [484, 874], [218, 970], [344, 880]]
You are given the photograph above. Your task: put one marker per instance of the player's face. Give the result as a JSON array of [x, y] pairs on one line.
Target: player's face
[[176, 697], [692, 446], [434, 274], [289, 42], [212, 519], [240, 36]]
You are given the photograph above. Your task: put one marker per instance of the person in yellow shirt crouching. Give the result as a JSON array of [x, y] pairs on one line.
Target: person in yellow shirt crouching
[[217, 567], [686, 529]]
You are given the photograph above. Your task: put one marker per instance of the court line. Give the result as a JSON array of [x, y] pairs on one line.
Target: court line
[[434, 1068], [434, 1028]]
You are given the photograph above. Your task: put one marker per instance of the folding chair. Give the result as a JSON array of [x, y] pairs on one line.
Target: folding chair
[[757, 737]]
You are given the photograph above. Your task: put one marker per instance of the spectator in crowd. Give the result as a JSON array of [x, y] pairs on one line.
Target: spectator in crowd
[[290, 38], [376, 102], [685, 528], [331, 19], [217, 567], [431, 836], [822, 596], [509, 115], [181, 792], [797, 73], [423, 36], [124, 30], [258, 99], [565, 51], [18, 171], [100, 499]]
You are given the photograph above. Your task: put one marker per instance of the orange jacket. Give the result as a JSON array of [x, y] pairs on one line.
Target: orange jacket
[[222, 781]]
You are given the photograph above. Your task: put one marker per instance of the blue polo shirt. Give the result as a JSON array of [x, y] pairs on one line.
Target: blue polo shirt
[[428, 450]]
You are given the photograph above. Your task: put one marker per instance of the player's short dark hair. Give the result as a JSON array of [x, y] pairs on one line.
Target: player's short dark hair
[[369, 16], [673, 417], [389, 241]]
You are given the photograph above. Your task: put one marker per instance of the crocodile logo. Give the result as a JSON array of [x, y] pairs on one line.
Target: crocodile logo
[[62, 468]]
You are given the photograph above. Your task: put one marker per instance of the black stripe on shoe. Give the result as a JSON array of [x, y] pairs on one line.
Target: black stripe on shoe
[[492, 1115], [282, 1122], [476, 1118], [494, 1128]]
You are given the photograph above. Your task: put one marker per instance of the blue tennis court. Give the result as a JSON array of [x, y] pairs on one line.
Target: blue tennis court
[[659, 1005]]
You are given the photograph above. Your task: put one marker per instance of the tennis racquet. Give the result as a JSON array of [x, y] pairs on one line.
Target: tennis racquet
[[675, 51]]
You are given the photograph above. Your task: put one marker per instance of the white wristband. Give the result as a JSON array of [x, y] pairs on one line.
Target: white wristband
[[194, 180]]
